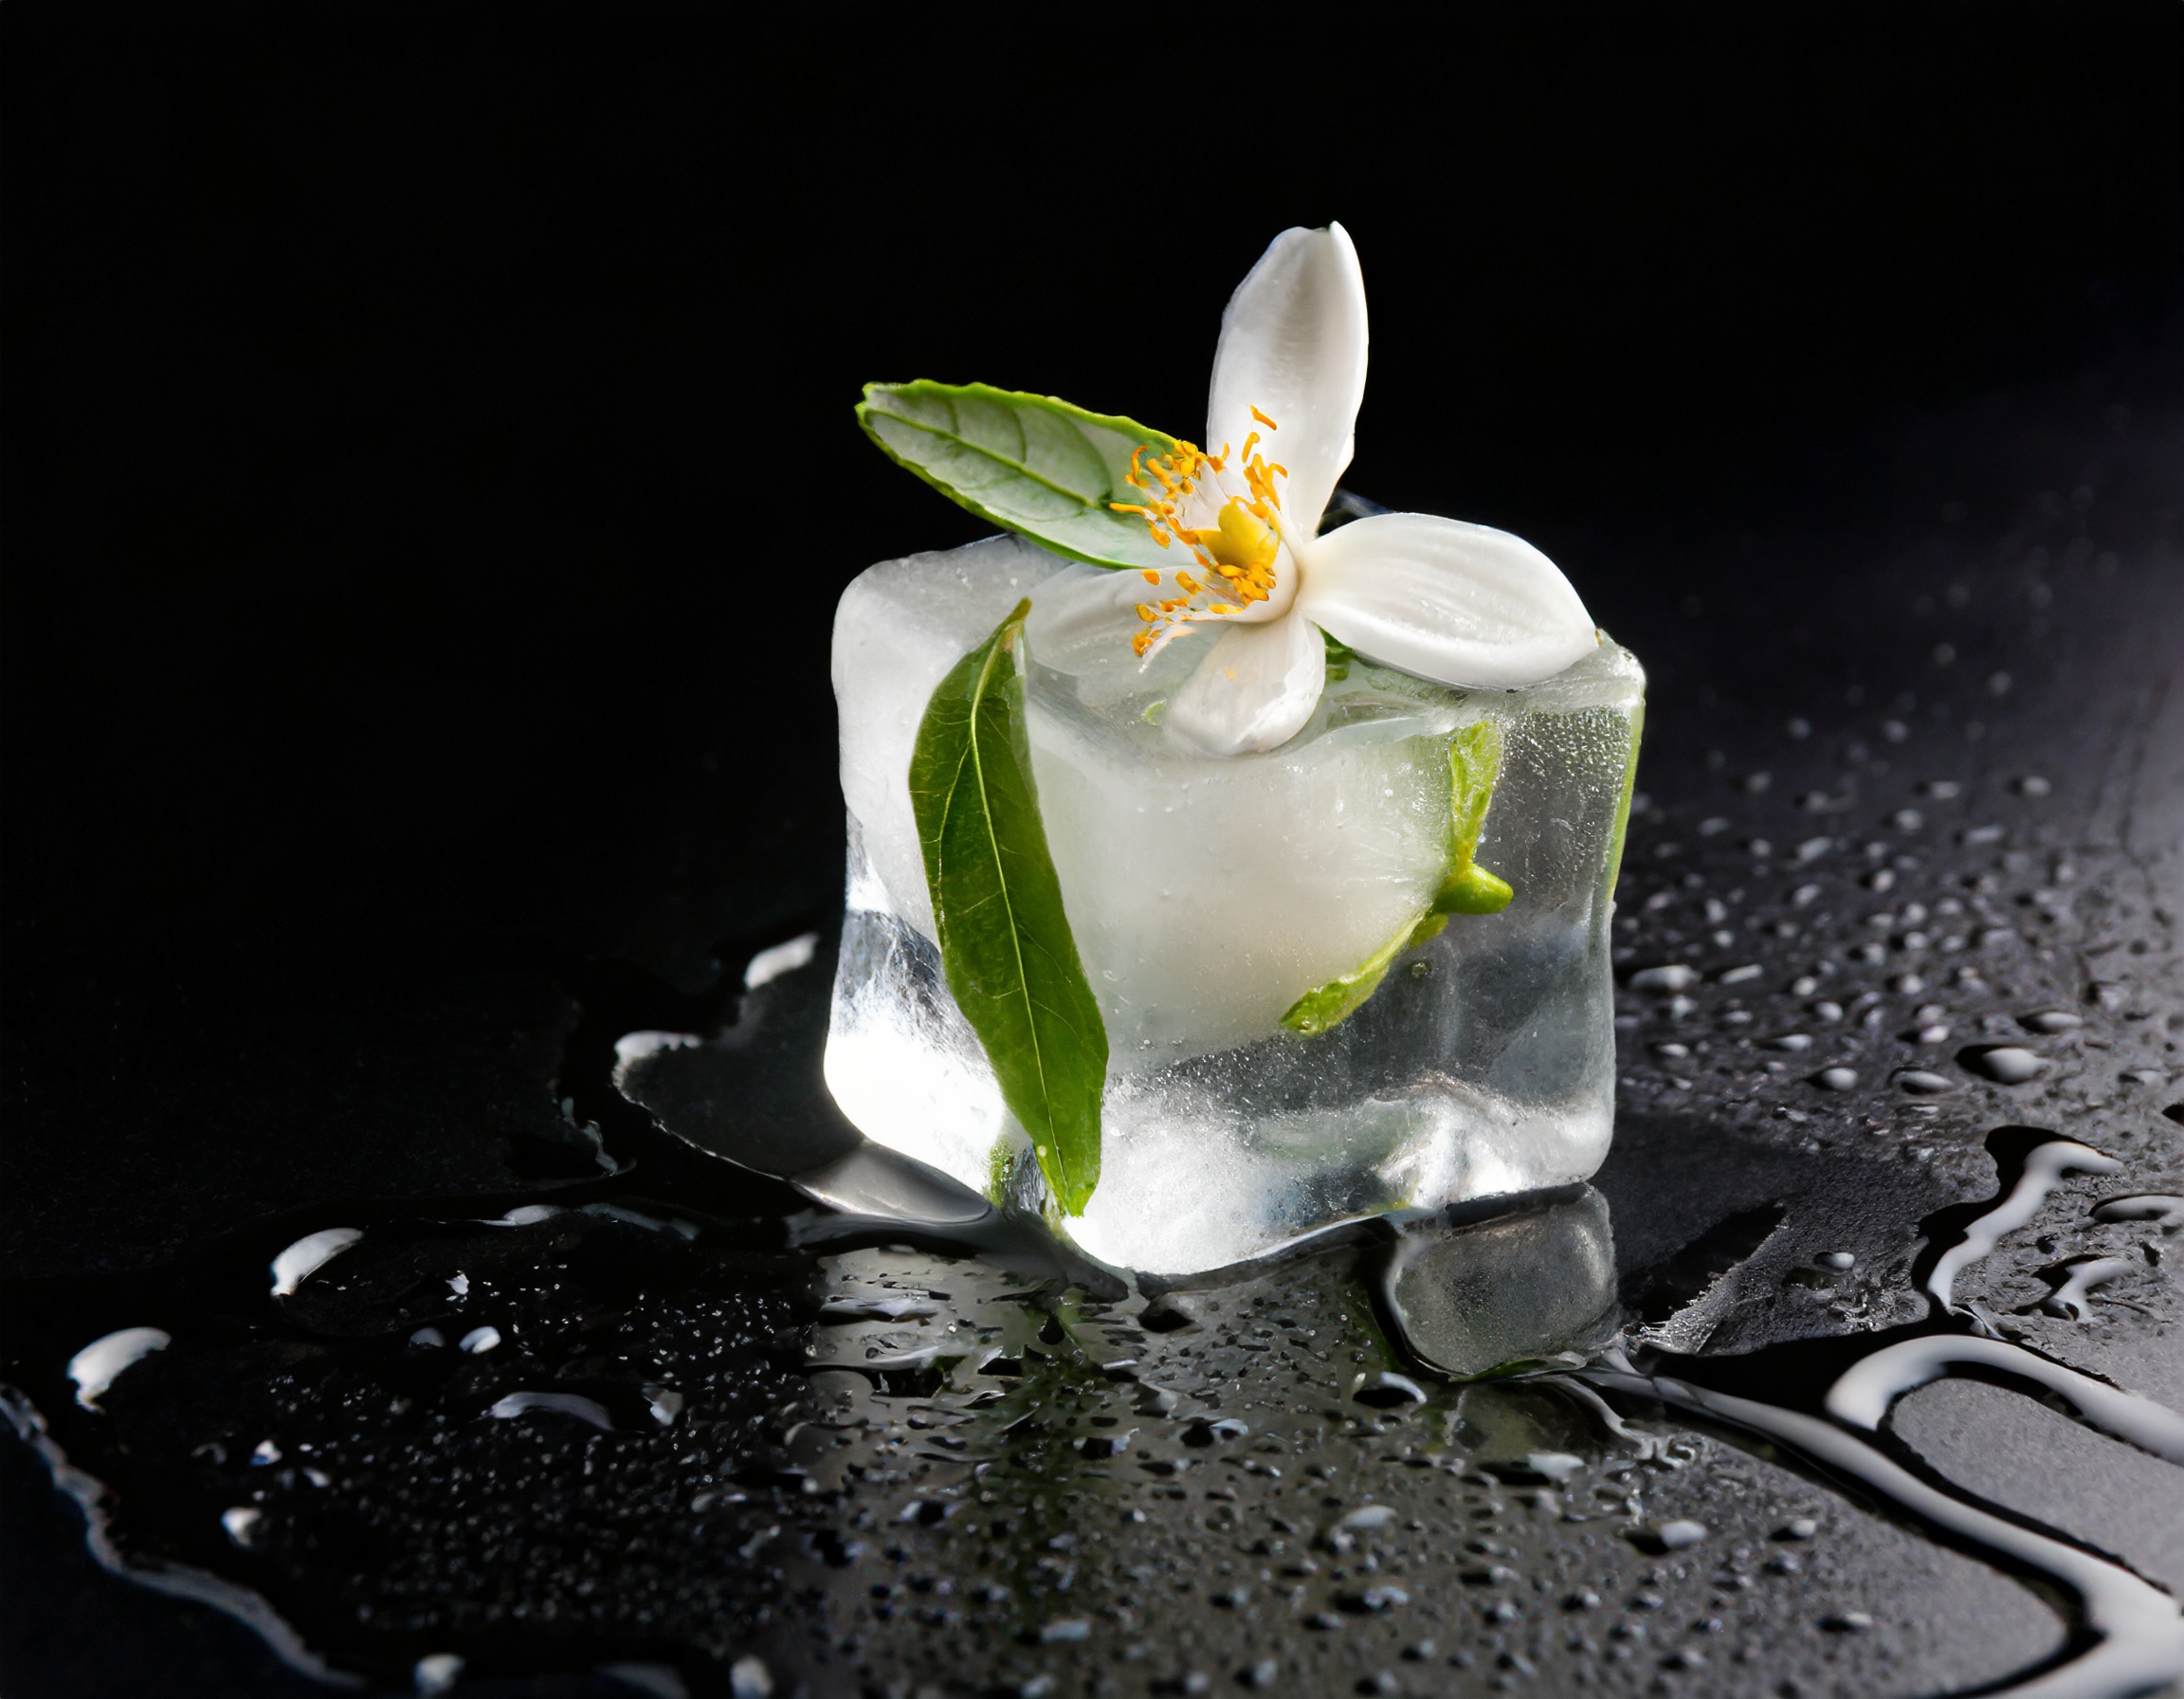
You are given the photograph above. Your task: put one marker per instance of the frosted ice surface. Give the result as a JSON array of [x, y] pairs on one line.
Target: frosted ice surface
[[1208, 893], [900, 625]]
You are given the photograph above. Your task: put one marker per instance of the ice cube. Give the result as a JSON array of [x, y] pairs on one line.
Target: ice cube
[[1208, 894], [898, 630]]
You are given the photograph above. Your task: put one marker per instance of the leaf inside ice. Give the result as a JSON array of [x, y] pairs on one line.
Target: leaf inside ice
[[1474, 764]]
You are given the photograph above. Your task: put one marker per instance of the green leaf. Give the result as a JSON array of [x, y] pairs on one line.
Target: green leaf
[[1004, 940], [1472, 890], [1328, 1006], [1474, 764], [1029, 463], [1623, 802]]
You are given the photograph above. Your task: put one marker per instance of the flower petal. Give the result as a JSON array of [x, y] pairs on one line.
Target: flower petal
[[1254, 690], [1457, 604], [1293, 345]]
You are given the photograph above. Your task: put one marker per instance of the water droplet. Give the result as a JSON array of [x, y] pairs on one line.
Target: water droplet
[[769, 965], [100, 1363], [1836, 1079], [479, 1339], [556, 1403], [2144, 1206], [436, 1673], [308, 1255], [749, 1678], [2007, 1064], [1674, 1536], [662, 1681]]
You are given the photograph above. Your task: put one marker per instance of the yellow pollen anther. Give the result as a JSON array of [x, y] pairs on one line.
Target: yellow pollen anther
[[1235, 538]]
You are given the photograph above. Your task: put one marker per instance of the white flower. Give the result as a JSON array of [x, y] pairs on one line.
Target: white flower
[[1461, 605]]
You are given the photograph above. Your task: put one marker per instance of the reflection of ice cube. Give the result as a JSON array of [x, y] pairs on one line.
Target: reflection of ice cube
[[1208, 894]]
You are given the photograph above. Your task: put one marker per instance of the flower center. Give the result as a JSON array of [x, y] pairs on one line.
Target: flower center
[[1227, 510]]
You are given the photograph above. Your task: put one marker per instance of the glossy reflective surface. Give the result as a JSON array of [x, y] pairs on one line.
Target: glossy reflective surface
[[406, 706]]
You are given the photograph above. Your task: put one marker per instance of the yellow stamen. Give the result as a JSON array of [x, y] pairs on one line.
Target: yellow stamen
[[1238, 550]]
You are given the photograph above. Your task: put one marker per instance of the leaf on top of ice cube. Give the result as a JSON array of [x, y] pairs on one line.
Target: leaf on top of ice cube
[[1029, 463], [1004, 940]]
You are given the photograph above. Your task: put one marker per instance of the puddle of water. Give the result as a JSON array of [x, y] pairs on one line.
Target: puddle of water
[[907, 1438]]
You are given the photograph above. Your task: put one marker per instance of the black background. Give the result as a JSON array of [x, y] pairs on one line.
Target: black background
[[429, 451], [430, 468]]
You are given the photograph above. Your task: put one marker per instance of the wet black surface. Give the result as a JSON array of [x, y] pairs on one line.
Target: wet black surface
[[381, 774]]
